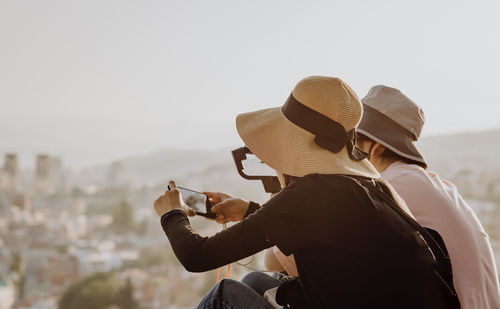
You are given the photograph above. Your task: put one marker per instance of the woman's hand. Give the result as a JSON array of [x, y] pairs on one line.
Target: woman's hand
[[171, 200], [227, 208]]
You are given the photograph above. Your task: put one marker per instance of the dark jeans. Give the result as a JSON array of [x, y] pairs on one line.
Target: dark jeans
[[233, 294], [260, 281]]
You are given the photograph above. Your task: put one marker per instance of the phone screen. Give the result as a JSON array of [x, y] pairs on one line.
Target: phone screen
[[195, 200]]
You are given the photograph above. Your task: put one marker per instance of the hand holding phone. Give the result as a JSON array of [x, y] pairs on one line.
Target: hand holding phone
[[197, 201], [227, 208], [168, 201]]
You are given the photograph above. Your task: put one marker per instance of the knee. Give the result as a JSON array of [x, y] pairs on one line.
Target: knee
[[230, 286], [253, 277], [225, 291], [232, 294]]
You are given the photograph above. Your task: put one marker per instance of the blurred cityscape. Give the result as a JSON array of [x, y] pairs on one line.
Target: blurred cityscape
[[91, 239]]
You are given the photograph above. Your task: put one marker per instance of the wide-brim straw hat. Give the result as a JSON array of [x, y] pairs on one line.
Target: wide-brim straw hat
[[393, 120], [292, 150]]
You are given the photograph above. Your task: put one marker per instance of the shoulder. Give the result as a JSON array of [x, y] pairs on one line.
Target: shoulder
[[331, 187], [401, 170], [411, 177], [328, 181], [423, 190], [318, 187]]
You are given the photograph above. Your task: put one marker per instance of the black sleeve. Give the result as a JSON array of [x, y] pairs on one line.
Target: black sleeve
[[198, 254], [286, 219], [278, 222], [253, 207]]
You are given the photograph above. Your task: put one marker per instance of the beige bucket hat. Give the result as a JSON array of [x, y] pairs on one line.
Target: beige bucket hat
[[313, 132], [393, 120]]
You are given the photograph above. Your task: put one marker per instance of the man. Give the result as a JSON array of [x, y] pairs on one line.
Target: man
[[390, 125]]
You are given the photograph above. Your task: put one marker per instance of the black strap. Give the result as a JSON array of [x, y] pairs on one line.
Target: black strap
[[329, 134], [439, 254], [444, 269]]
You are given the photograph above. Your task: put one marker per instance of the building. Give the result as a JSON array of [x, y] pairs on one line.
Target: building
[[11, 176], [116, 175], [43, 175]]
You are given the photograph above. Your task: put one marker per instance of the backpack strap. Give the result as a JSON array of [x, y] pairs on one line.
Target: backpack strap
[[443, 268]]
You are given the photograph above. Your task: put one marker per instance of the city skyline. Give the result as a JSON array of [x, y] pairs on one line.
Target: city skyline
[[103, 102]]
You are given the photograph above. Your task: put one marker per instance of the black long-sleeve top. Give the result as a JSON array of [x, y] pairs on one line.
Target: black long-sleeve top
[[350, 248], [198, 254]]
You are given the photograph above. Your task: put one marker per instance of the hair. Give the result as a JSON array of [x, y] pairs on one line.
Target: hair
[[387, 153], [289, 179]]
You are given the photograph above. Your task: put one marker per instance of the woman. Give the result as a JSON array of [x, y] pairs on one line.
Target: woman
[[351, 249]]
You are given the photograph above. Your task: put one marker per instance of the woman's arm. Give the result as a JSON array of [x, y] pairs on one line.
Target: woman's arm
[[271, 262], [281, 222], [198, 254], [287, 262]]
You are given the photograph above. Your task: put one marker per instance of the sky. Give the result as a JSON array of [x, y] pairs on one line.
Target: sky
[[95, 81]]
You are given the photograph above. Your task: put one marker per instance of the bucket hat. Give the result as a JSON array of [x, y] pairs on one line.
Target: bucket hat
[[313, 132], [393, 120]]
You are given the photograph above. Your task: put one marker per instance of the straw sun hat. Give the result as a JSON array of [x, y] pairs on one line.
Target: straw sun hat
[[313, 132]]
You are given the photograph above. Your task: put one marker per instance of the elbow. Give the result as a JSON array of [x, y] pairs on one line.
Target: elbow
[[194, 268], [192, 264], [192, 254]]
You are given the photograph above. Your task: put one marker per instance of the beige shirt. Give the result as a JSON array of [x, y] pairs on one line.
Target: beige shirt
[[436, 204]]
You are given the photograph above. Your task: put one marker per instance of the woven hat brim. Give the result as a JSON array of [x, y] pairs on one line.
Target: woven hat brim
[[291, 150]]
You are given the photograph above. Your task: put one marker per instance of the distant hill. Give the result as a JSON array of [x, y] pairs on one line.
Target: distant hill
[[474, 150], [445, 154], [156, 167], [199, 170]]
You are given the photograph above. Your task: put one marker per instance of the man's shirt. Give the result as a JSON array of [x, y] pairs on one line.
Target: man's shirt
[[436, 204]]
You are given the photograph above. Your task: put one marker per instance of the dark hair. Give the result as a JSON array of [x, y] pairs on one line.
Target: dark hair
[[387, 153], [289, 179]]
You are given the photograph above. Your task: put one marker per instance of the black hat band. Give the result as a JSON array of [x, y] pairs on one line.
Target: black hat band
[[329, 134]]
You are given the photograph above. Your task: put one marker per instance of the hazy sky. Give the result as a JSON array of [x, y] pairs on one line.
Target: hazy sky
[[93, 81]]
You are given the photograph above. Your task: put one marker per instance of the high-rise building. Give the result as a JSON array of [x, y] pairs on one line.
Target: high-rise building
[[43, 172], [57, 174], [11, 176], [116, 174]]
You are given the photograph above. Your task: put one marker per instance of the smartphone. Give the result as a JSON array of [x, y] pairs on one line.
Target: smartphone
[[197, 201]]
